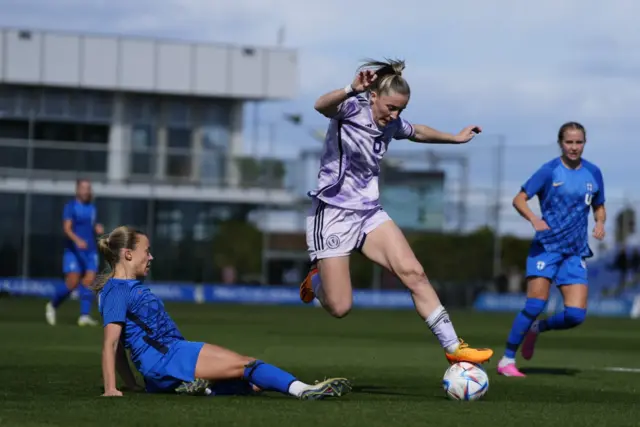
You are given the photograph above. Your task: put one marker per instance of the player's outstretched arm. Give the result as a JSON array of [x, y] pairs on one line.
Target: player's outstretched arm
[[112, 334], [428, 135]]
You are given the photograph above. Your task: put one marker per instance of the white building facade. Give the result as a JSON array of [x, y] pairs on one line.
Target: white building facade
[[157, 125]]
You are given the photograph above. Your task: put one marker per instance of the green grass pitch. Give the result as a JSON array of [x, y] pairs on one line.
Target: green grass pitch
[[51, 376]]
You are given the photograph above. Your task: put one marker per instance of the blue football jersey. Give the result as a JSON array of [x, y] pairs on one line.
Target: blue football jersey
[[566, 197], [148, 329], [83, 220]]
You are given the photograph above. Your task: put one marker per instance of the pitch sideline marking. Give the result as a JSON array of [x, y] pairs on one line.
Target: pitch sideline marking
[[622, 369]]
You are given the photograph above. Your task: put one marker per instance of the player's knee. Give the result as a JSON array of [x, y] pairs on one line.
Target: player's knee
[[534, 307], [88, 279], [574, 316], [337, 303], [339, 309]]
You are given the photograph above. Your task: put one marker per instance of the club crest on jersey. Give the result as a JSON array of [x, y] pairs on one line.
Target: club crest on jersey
[[589, 196]]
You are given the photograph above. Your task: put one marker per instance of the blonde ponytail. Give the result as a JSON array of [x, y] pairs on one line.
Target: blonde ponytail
[[109, 246], [389, 76]]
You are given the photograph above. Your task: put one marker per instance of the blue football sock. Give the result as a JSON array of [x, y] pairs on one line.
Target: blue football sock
[[268, 377], [569, 318], [61, 295], [86, 300], [523, 321]]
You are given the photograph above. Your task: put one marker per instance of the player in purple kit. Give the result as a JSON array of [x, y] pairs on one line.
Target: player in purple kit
[[346, 214], [568, 187], [80, 259]]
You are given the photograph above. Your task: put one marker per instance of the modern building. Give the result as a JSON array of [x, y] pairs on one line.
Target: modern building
[[157, 125]]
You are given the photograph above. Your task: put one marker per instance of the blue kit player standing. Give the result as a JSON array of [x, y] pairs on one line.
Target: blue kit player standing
[[80, 259], [567, 187], [134, 318]]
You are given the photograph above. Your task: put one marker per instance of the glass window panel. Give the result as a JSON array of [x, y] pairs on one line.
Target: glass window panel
[[46, 239], [11, 233], [142, 109], [143, 143], [179, 138], [78, 105], [178, 112], [30, 101], [9, 101], [55, 103], [101, 106]]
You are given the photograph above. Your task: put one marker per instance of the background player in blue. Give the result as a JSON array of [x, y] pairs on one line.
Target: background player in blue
[[567, 187], [80, 259], [135, 318]]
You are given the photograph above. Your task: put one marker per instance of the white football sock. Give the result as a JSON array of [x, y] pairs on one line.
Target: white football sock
[[441, 326], [506, 361], [296, 388]]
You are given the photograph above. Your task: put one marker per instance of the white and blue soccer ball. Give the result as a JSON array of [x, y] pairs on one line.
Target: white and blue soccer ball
[[465, 381]]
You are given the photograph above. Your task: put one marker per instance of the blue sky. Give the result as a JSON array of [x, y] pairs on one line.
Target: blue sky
[[515, 68]]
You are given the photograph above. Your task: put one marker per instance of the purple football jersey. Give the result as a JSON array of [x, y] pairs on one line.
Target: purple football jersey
[[353, 149]]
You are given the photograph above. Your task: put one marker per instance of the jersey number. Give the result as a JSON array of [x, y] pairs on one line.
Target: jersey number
[[587, 199], [377, 145]]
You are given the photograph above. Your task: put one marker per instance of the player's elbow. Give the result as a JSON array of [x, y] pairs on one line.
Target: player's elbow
[[519, 199], [326, 110], [323, 110], [515, 202]]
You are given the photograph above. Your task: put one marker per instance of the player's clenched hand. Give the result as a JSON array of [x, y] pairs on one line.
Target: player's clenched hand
[[112, 393], [467, 134], [539, 225], [598, 231], [364, 79]]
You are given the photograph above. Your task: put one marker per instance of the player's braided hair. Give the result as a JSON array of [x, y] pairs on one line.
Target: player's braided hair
[[110, 245], [389, 74]]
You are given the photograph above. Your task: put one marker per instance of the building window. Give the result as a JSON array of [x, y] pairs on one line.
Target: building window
[[143, 154], [142, 113], [46, 239], [179, 152], [185, 240], [11, 233], [216, 137], [100, 107], [178, 113]]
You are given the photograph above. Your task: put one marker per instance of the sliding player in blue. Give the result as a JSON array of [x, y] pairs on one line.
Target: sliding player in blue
[[80, 258], [135, 318], [567, 187]]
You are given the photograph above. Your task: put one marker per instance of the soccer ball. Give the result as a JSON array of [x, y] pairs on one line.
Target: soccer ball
[[465, 381]]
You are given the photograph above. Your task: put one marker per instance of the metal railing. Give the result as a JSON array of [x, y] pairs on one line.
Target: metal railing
[[71, 160]]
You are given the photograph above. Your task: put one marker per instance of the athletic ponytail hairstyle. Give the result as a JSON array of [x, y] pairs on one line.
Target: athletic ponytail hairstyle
[[389, 78], [110, 246]]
